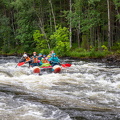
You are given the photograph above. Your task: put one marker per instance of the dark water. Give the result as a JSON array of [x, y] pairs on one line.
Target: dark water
[[85, 91]]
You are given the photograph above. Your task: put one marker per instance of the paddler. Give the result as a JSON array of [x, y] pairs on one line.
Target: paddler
[[23, 57], [44, 59], [34, 60], [54, 60], [39, 59], [50, 54], [28, 60], [25, 54]]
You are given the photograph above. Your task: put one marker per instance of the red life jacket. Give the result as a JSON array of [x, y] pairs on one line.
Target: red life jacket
[[35, 59], [27, 59]]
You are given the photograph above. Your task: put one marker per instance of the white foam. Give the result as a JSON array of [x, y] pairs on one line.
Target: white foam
[[88, 83]]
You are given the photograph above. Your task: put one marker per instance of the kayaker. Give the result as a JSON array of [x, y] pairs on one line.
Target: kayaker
[[54, 60]]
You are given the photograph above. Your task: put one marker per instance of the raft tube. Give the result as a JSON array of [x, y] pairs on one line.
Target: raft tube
[[57, 69], [36, 69]]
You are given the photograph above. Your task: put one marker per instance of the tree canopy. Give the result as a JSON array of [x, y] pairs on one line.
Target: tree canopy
[[37, 25]]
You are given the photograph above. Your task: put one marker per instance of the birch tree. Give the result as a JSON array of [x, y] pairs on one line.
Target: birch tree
[[109, 24], [70, 37], [52, 11]]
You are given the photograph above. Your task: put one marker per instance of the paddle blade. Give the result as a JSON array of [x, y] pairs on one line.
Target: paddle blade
[[21, 63], [66, 65]]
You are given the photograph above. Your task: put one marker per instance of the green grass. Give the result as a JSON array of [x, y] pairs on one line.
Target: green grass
[[87, 54]]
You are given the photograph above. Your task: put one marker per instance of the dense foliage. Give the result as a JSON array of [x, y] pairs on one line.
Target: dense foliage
[[85, 27]]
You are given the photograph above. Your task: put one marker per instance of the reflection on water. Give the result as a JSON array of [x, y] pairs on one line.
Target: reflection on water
[[85, 91]]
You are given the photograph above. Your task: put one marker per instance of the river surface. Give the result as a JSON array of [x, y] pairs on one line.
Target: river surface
[[84, 91]]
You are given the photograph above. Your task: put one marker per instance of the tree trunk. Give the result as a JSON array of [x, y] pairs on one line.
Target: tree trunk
[[53, 13], [42, 30], [78, 37], [98, 38], [50, 23], [70, 37], [109, 25]]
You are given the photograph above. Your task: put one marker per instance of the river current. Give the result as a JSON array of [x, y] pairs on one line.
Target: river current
[[84, 91]]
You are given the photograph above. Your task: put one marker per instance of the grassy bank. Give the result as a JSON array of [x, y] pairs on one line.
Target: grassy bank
[[94, 52], [88, 54], [73, 53]]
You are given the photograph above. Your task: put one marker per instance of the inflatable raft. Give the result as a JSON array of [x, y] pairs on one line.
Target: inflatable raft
[[55, 69]]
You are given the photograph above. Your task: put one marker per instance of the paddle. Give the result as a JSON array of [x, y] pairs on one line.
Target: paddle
[[66, 65], [21, 63]]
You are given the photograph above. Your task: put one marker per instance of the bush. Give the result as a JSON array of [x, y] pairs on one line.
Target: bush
[[61, 40], [79, 54], [116, 47], [80, 49], [45, 51]]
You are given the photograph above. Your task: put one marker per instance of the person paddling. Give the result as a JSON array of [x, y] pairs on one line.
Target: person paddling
[[50, 54], [39, 59], [40, 56], [34, 60], [44, 59], [22, 60], [28, 60], [54, 60], [23, 57]]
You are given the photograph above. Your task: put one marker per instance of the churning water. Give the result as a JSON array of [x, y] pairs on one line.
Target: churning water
[[84, 91]]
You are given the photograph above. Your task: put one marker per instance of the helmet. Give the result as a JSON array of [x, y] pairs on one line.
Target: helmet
[[44, 55], [40, 54], [24, 55]]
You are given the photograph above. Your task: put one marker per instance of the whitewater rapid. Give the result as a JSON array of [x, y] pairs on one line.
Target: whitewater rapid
[[84, 91]]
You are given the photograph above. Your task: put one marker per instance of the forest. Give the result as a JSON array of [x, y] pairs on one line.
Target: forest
[[75, 28]]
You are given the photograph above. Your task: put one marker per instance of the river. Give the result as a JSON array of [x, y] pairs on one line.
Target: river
[[84, 91]]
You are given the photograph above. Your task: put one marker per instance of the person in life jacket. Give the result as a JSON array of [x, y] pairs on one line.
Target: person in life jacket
[[50, 54], [54, 60], [25, 54], [34, 60], [44, 59], [28, 60], [23, 57], [39, 59], [40, 56]]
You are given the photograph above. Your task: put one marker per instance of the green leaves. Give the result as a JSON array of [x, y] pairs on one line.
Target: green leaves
[[39, 39], [61, 40], [30, 24], [93, 1], [91, 19]]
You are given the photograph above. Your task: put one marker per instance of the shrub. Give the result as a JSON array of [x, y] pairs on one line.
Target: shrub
[[61, 40]]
